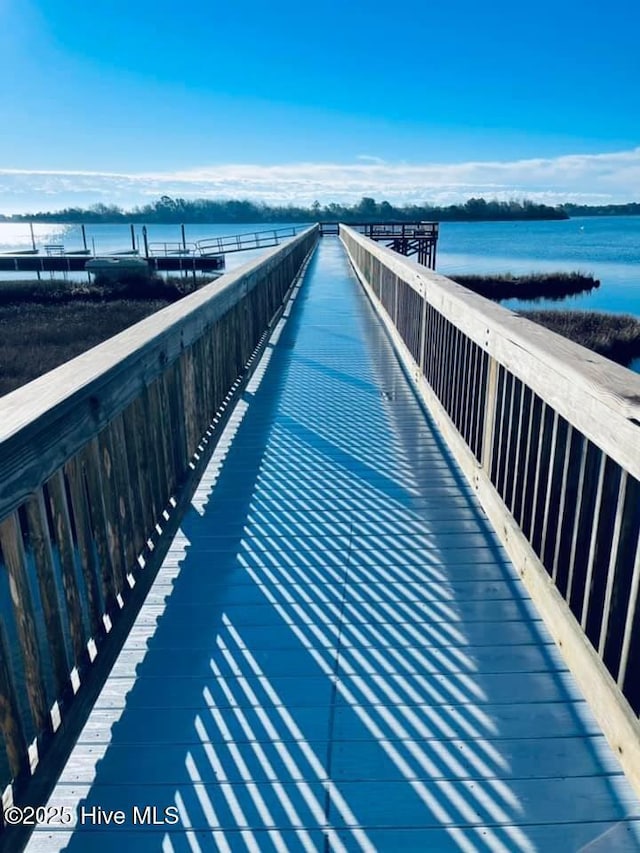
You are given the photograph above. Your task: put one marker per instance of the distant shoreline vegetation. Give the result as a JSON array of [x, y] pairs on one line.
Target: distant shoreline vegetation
[[554, 286], [167, 210], [615, 336], [631, 209]]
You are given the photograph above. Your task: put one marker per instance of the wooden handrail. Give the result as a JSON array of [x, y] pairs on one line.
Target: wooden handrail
[[247, 240], [94, 457], [600, 397], [548, 433]]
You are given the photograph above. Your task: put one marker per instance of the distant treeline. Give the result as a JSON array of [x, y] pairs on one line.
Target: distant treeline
[[177, 210], [631, 209]]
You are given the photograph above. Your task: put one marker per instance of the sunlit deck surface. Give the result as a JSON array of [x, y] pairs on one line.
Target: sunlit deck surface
[[336, 654]]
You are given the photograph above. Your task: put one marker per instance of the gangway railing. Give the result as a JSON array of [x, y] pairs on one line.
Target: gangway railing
[[246, 241], [224, 244], [97, 459], [548, 433], [159, 247]]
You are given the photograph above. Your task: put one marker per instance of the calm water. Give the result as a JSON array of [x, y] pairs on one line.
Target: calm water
[[606, 247], [103, 239]]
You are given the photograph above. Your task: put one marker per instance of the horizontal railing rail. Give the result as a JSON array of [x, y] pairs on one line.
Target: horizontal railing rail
[[171, 248], [243, 242], [94, 458], [549, 434], [388, 230]]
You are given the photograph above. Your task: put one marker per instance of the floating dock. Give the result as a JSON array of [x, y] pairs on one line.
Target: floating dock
[[74, 262], [208, 254]]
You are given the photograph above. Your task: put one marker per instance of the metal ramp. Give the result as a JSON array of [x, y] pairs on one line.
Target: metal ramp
[[242, 242], [336, 654]]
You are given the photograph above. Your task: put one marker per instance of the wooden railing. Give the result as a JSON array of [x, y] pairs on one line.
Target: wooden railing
[[94, 459], [241, 242], [548, 433], [389, 230], [225, 244]]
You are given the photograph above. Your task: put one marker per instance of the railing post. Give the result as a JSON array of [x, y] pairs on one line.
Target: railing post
[[15, 562], [423, 331], [489, 415], [395, 296], [10, 724], [42, 555]]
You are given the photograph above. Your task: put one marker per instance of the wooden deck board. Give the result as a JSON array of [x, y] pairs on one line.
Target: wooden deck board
[[408, 660], [361, 760], [398, 802], [336, 654], [600, 837]]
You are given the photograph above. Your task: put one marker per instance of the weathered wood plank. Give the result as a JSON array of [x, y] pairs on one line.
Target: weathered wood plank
[[123, 491], [613, 557], [175, 415], [630, 620], [90, 459], [136, 429], [137, 488], [14, 559], [10, 722], [64, 541], [40, 541], [82, 517], [152, 467], [158, 446], [111, 505]]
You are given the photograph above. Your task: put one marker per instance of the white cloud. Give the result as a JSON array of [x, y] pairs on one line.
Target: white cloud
[[588, 178]]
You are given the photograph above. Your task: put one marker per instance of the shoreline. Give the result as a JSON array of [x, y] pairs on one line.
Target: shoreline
[[614, 336], [45, 323], [553, 286]]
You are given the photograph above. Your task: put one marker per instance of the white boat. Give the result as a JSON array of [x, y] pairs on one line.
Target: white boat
[[114, 267]]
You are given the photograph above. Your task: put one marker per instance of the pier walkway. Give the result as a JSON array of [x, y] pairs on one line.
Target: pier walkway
[[336, 654]]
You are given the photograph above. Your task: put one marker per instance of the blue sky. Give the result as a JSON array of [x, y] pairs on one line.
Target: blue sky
[[122, 101]]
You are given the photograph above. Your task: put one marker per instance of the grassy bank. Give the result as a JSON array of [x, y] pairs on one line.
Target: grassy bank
[[555, 285], [616, 336], [35, 338], [58, 291], [45, 323]]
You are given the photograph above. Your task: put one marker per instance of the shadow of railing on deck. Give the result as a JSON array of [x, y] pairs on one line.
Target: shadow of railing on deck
[[316, 645]]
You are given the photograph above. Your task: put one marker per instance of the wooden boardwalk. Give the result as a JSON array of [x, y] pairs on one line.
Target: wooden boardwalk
[[336, 654]]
